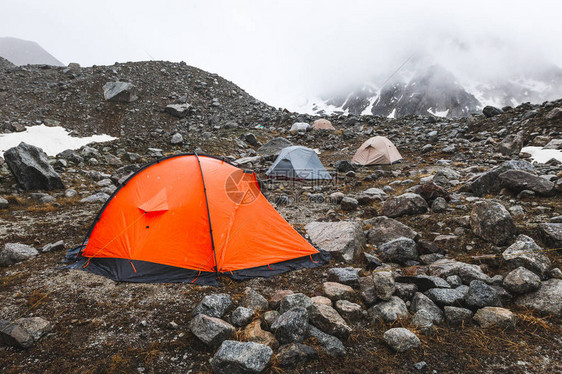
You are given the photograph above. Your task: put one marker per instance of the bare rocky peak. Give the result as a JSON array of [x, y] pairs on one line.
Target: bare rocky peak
[[24, 52]]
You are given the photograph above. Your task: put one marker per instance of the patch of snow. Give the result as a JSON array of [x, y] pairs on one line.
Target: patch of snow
[[392, 114], [367, 111], [438, 114], [540, 155], [52, 140]]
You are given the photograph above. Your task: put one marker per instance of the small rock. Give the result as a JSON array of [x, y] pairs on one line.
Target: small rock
[[215, 305], [406, 204], [295, 300], [492, 222], [480, 295], [332, 345], [399, 250], [291, 326], [384, 285], [120, 91], [401, 339], [521, 281], [337, 291], [389, 311], [241, 358], [457, 316], [210, 330], [293, 354], [16, 252], [241, 316], [328, 320], [494, 316]]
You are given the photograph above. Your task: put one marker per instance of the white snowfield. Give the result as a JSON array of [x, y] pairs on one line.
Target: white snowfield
[[541, 155], [52, 140]]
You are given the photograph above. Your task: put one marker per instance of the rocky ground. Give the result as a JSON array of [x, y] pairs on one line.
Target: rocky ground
[[447, 262]]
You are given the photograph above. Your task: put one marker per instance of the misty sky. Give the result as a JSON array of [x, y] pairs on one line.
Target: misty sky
[[285, 50]]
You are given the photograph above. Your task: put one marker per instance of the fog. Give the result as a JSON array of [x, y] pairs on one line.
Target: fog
[[284, 51]]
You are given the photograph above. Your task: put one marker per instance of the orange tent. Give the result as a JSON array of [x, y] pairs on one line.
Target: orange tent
[[191, 218]]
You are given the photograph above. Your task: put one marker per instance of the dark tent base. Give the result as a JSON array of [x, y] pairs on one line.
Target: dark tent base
[[124, 270]]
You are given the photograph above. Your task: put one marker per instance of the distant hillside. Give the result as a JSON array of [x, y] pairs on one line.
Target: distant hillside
[[24, 52]]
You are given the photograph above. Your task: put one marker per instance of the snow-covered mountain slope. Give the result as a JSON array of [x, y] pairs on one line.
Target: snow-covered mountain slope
[[433, 90]]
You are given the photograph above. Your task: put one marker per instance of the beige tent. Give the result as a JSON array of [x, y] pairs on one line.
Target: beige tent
[[375, 151], [322, 124]]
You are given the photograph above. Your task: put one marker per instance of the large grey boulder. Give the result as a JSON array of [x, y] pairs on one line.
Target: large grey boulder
[[241, 358], [389, 311], [546, 300], [422, 302], [178, 110], [521, 281], [328, 320], [123, 92], [480, 295], [274, 146], [490, 111], [24, 331], [332, 345], [344, 240], [492, 222], [518, 180], [489, 182], [31, 168], [210, 330], [511, 144], [551, 234], [525, 252], [399, 250], [401, 339], [494, 316], [386, 229], [291, 326], [405, 204], [16, 252], [214, 305]]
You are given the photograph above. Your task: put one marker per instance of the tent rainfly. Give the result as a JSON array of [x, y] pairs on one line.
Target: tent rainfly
[[297, 162], [377, 150], [190, 218]]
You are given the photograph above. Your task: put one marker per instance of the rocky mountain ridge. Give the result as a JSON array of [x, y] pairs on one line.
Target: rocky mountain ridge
[[435, 259]]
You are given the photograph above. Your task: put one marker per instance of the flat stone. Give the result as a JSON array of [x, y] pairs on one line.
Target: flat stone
[[337, 291], [351, 312], [446, 296], [424, 282], [386, 229], [494, 316], [343, 240]]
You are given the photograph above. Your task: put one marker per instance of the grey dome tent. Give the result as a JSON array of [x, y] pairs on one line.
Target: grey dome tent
[[297, 162]]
